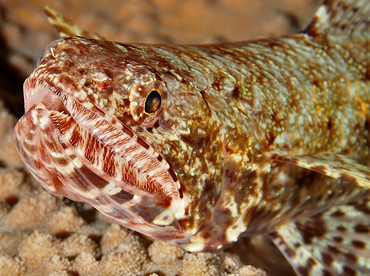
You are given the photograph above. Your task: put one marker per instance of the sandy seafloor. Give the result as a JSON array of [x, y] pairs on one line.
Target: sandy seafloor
[[41, 234]]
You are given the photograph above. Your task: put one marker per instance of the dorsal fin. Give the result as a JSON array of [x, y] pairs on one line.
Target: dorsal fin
[[66, 27], [341, 18]]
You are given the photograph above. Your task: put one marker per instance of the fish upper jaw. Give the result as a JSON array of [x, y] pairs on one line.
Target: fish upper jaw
[[90, 156]]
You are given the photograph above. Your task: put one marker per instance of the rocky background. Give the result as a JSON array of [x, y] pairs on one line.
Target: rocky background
[[41, 234]]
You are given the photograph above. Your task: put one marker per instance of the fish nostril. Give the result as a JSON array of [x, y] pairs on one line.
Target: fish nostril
[[88, 83]]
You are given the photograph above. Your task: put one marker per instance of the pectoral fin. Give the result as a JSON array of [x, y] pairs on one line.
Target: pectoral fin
[[332, 165], [335, 242]]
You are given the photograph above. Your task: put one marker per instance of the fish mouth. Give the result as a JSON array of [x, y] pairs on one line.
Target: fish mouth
[[77, 150]]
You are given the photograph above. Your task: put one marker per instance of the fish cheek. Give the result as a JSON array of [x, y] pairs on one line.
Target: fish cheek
[[166, 124]]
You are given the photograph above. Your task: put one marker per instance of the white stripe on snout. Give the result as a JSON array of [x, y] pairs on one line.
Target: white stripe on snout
[[110, 189]]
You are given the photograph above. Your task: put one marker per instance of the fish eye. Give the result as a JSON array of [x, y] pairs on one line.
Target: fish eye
[[152, 102]]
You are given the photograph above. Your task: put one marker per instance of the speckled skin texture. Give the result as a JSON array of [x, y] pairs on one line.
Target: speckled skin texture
[[200, 168], [22, 215]]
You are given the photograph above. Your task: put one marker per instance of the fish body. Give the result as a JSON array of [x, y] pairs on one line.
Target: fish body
[[198, 145]]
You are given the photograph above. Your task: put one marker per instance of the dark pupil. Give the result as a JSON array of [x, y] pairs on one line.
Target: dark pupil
[[153, 102]]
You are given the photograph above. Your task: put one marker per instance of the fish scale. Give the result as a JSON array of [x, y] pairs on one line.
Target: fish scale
[[211, 142]]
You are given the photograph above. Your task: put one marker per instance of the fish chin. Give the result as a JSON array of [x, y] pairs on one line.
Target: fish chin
[[86, 155]]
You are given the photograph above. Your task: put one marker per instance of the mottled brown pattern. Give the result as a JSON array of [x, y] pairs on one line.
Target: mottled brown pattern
[[262, 137]]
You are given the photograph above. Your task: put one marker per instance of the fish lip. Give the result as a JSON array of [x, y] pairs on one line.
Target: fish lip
[[48, 98], [35, 92]]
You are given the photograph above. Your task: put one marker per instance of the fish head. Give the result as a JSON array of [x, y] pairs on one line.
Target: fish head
[[115, 126]]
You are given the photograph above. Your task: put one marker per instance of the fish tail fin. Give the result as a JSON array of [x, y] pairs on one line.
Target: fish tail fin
[[335, 242], [349, 18]]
